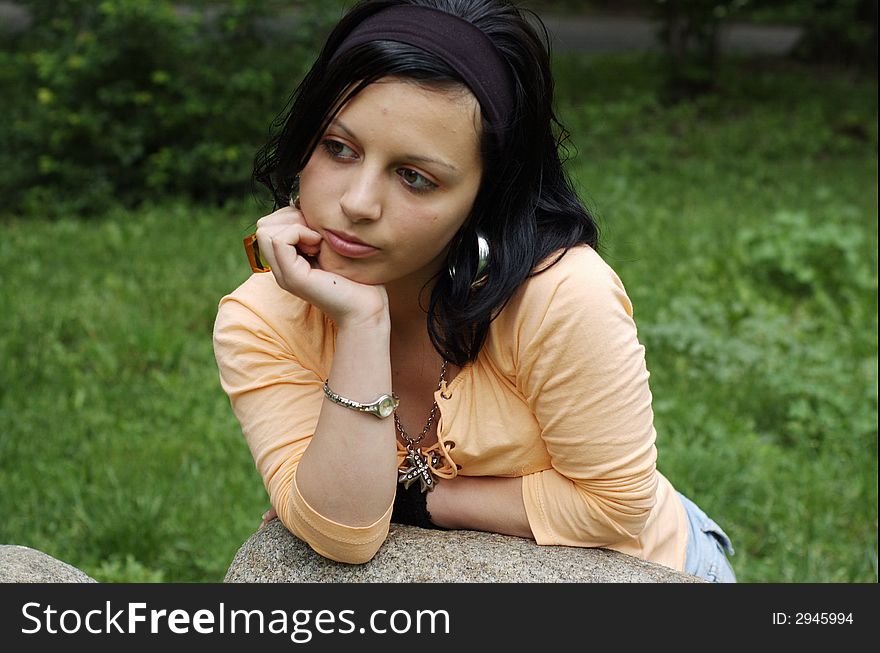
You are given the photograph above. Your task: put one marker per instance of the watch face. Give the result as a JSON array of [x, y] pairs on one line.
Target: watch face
[[386, 406]]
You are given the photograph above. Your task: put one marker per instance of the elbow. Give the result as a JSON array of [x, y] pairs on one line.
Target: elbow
[[354, 545], [354, 551], [350, 556], [625, 511], [615, 523], [634, 524], [632, 517]]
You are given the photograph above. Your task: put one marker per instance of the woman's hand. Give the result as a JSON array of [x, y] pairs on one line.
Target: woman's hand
[[285, 240], [268, 516]]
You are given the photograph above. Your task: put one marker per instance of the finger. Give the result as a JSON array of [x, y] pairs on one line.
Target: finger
[[284, 216], [290, 236], [310, 242], [268, 516], [281, 216], [294, 233], [304, 240], [287, 250]]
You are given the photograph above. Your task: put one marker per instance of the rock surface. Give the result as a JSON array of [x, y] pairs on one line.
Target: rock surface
[[21, 564], [411, 554]]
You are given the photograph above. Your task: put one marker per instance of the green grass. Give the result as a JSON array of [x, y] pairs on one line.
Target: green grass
[[118, 450], [743, 226]]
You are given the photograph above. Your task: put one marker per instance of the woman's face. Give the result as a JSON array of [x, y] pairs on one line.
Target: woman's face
[[397, 170]]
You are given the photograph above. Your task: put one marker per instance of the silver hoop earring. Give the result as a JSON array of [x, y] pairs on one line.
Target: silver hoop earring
[[481, 275]]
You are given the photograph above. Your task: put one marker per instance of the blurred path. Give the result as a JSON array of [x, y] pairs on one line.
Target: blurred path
[[590, 34], [597, 34]]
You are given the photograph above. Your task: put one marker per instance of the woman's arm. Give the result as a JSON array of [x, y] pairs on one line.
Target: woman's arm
[[329, 470], [277, 397], [582, 371], [348, 471], [489, 503], [580, 367]]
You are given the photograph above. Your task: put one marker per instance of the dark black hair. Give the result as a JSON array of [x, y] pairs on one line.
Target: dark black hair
[[526, 205]]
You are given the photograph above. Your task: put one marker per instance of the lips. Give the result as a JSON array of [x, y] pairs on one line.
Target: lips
[[348, 246]]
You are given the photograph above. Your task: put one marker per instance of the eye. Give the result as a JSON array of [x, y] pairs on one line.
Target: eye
[[415, 181], [338, 150]]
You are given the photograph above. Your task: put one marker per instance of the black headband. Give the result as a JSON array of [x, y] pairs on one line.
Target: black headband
[[458, 42]]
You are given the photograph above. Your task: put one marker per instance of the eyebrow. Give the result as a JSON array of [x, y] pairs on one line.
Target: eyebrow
[[409, 157]]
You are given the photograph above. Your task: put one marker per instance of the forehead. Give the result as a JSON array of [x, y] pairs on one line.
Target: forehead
[[401, 113]]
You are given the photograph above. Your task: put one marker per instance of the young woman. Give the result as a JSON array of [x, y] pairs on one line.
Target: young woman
[[430, 336]]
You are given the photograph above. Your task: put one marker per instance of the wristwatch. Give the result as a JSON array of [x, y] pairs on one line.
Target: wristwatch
[[383, 407]]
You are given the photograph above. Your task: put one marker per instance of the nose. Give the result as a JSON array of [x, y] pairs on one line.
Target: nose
[[362, 198]]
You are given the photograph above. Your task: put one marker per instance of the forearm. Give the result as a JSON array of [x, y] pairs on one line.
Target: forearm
[[488, 503], [347, 472]]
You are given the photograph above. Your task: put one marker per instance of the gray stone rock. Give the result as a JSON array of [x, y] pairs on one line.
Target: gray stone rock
[[21, 564], [416, 555]]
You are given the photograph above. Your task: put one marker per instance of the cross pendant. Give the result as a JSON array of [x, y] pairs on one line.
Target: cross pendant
[[416, 467]]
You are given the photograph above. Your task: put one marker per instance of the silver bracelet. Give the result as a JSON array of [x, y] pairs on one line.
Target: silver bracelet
[[382, 407]]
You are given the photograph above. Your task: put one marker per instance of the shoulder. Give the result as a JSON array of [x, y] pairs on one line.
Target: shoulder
[[578, 301], [571, 322], [576, 283]]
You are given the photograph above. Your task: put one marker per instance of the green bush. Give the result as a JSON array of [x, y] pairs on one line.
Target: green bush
[[841, 32], [118, 101]]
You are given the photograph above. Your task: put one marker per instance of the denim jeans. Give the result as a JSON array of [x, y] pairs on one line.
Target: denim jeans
[[706, 546]]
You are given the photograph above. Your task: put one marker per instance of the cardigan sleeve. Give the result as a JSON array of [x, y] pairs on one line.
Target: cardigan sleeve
[[582, 370], [277, 401]]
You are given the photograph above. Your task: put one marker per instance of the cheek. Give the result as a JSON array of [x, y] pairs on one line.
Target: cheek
[[310, 174], [436, 230], [319, 183]]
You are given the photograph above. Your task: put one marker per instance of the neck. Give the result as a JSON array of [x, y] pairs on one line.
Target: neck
[[409, 314]]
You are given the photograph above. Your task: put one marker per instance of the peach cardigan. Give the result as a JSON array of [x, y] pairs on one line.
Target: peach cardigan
[[558, 395]]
